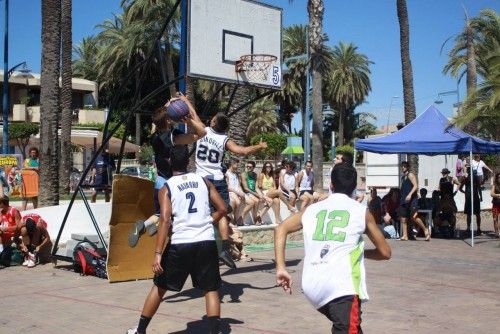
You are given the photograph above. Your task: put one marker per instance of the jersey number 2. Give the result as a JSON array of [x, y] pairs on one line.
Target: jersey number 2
[[190, 196], [335, 218]]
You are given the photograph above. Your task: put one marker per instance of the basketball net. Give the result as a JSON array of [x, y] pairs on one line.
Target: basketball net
[[255, 67]]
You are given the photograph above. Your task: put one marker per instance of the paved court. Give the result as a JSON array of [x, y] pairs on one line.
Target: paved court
[[443, 286]]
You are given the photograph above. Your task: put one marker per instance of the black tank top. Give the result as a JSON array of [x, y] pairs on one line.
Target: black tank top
[[406, 187]]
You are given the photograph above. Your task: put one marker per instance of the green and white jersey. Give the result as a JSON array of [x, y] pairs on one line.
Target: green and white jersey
[[334, 250], [191, 219]]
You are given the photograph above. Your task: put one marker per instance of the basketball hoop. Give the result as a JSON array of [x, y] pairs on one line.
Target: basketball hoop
[[255, 66]]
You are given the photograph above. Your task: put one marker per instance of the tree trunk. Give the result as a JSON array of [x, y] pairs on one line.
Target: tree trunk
[[239, 121], [49, 102], [407, 73], [66, 98], [315, 10], [471, 71], [341, 125], [170, 66]]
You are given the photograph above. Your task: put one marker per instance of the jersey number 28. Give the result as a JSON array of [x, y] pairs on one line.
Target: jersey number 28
[[335, 218]]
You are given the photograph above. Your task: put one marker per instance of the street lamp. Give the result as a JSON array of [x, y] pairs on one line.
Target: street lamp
[[5, 144], [389, 113], [440, 95], [307, 113]]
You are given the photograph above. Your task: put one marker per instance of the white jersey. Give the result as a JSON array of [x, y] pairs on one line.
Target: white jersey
[[191, 219], [210, 153], [233, 180], [334, 250], [289, 181], [306, 181]]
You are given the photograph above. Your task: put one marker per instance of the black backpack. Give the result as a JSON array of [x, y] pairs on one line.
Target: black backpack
[[88, 261]]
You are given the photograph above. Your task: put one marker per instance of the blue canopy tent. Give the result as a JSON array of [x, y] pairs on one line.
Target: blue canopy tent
[[430, 134]]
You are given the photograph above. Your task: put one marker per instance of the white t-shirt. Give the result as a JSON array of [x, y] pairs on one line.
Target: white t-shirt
[[289, 181], [478, 167], [334, 250], [210, 153], [306, 181], [191, 219], [233, 180]]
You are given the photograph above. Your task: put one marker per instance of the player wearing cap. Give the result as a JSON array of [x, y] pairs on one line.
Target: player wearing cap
[[333, 277]]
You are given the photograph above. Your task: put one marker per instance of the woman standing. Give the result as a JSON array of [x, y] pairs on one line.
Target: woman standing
[[468, 210], [495, 195]]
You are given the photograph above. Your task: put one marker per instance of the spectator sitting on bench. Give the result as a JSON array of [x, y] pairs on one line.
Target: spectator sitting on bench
[[10, 219]]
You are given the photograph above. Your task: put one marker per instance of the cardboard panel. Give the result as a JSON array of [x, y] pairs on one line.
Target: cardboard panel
[[132, 200]]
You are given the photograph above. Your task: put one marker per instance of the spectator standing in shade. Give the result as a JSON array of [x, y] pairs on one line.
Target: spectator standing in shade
[[495, 200], [102, 175], [476, 189], [408, 203]]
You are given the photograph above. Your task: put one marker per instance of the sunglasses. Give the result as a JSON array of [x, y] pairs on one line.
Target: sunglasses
[[268, 166], [249, 166]]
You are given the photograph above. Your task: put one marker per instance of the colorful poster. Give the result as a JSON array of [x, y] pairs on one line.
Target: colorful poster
[[10, 174]]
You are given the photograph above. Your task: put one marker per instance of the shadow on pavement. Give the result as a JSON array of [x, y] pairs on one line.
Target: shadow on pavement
[[201, 326], [268, 267], [233, 290]]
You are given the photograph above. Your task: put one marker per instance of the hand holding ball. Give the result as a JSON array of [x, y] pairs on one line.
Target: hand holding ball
[[177, 109]]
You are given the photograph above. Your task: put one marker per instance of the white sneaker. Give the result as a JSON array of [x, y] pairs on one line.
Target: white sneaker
[[31, 263], [28, 257], [132, 331]]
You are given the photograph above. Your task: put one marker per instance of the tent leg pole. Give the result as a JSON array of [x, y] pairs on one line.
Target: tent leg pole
[[473, 217]]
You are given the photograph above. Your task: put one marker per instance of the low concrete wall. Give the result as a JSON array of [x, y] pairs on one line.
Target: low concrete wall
[[264, 234]]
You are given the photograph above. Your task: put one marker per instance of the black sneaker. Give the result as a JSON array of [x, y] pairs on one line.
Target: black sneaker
[[135, 233], [225, 257]]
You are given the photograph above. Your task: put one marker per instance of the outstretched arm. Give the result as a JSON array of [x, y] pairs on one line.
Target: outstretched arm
[[291, 224], [244, 150], [382, 249]]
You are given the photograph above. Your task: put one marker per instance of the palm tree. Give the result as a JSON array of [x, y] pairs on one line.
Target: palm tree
[[66, 98], [292, 95], [473, 46], [315, 9], [150, 14], [240, 119], [49, 102], [85, 63], [407, 73], [263, 118], [348, 82], [483, 106]]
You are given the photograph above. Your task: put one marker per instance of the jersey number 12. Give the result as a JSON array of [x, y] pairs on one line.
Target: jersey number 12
[[335, 218]]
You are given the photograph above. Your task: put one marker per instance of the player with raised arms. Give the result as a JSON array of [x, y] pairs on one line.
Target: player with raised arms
[[333, 277], [210, 151], [185, 209]]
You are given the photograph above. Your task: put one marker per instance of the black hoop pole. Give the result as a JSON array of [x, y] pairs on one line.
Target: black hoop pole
[[231, 98], [108, 134]]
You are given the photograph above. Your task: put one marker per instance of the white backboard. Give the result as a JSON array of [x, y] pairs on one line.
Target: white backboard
[[220, 31]]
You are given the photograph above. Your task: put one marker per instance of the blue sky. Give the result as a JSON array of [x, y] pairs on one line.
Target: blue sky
[[372, 25]]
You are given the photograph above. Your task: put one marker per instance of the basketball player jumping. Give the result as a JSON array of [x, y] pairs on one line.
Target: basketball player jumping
[[210, 151]]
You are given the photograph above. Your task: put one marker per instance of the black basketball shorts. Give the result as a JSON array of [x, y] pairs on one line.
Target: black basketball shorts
[[345, 314], [198, 259]]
